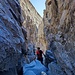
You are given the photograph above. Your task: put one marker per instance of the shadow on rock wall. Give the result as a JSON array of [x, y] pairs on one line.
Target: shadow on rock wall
[[11, 37]]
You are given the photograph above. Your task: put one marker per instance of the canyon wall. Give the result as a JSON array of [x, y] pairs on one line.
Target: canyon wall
[[19, 23], [59, 29], [31, 20], [12, 40], [41, 42], [33, 23]]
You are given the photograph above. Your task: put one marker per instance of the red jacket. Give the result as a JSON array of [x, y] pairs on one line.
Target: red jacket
[[39, 53]]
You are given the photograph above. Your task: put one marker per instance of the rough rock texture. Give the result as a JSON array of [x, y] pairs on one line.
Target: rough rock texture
[[34, 68], [41, 42], [33, 23], [31, 19], [59, 29], [14, 22], [55, 69], [11, 38], [49, 57]]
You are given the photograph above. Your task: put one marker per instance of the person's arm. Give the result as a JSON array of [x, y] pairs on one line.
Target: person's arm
[[43, 53]]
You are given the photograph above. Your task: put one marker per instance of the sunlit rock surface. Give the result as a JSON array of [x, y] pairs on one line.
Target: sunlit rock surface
[[31, 20], [59, 29], [33, 23]]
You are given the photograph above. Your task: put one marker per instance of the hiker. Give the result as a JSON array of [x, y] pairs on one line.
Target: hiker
[[39, 54]]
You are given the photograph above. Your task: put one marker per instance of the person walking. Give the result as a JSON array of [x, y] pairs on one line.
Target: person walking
[[39, 54]]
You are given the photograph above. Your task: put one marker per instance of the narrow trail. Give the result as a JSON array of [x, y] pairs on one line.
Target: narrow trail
[[36, 67]]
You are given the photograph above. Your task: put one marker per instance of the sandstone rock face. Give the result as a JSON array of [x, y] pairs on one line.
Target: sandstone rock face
[[41, 40], [31, 19], [59, 29], [11, 36], [33, 23], [14, 22]]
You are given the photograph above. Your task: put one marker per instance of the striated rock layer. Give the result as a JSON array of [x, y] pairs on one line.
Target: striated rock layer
[[19, 27], [31, 20], [33, 23], [59, 29], [11, 37]]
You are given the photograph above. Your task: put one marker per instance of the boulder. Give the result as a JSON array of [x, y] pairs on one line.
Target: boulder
[[35, 68], [55, 69], [49, 57]]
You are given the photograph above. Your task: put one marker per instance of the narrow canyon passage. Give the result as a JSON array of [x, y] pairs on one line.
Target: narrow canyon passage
[[22, 30]]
